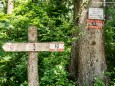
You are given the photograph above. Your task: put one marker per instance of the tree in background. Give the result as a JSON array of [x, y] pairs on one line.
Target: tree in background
[[88, 55], [10, 6]]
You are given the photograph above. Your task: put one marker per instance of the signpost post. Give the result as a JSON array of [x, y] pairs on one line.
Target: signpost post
[[33, 76], [32, 47]]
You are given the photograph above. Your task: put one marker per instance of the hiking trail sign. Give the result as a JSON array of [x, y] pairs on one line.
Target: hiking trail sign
[[94, 24], [96, 13], [25, 47], [32, 47]]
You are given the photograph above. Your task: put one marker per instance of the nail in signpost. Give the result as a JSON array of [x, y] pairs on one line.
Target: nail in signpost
[[32, 47]]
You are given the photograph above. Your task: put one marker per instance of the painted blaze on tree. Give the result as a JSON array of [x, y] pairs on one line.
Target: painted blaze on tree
[[88, 54]]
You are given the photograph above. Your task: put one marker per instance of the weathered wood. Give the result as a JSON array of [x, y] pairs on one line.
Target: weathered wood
[[25, 47], [32, 47], [33, 78]]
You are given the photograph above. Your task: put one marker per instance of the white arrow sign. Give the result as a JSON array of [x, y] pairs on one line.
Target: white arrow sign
[[22, 47]]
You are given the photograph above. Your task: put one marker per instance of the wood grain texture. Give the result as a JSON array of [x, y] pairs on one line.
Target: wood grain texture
[[33, 78], [25, 47]]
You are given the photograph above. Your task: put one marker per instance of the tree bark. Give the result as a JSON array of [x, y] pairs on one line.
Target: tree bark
[[10, 6], [73, 59], [88, 55], [32, 59]]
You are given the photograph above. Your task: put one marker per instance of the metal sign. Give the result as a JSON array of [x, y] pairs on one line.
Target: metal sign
[[23, 47], [95, 24], [96, 13]]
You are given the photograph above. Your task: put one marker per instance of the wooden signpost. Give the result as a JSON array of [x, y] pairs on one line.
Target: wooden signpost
[[32, 47], [25, 47]]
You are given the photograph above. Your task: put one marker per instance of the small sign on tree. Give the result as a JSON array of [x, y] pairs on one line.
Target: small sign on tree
[[96, 13], [95, 24]]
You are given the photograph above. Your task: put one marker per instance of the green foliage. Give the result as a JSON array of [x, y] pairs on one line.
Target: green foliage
[[110, 42], [55, 70], [99, 82], [54, 23]]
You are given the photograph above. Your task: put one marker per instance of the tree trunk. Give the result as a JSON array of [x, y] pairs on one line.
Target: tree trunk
[[10, 6], [87, 52], [73, 60]]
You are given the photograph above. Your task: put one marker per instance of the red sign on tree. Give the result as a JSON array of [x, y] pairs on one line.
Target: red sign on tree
[[95, 24]]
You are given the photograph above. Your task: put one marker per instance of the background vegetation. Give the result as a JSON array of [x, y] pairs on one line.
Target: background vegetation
[[54, 22]]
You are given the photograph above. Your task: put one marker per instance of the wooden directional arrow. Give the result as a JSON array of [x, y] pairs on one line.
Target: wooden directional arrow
[[25, 47], [31, 48]]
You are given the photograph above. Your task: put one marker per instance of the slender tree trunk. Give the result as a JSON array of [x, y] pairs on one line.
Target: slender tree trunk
[[73, 60], [10, 6], [88, 54]]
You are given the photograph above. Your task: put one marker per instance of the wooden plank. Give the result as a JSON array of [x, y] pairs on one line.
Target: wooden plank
[[25, 47], [33, 76], [32, 47]]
